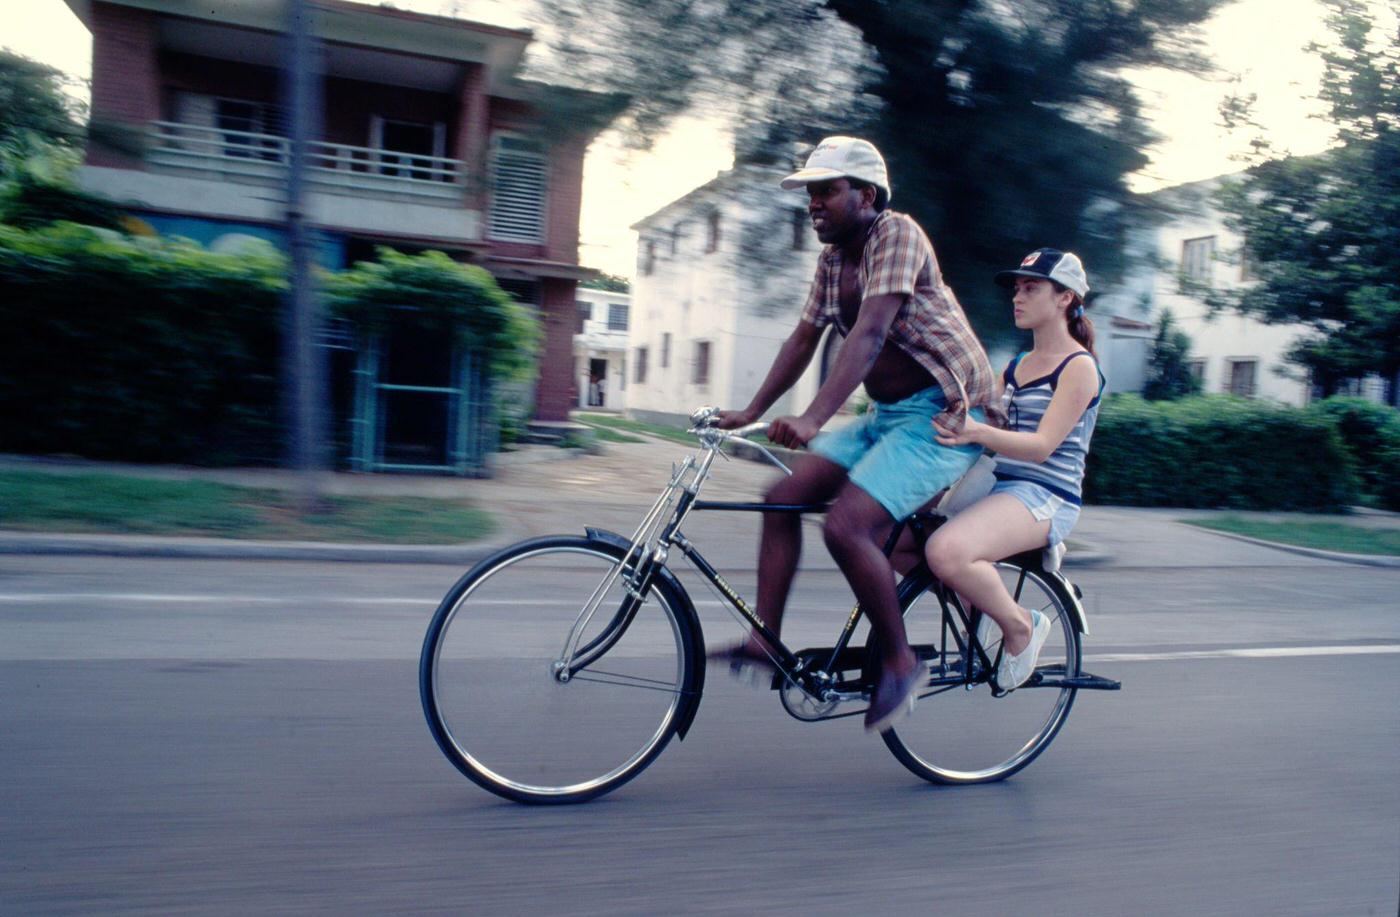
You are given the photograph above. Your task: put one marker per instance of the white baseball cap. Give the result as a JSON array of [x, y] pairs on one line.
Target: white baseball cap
[[1064, 268], [842, 157]]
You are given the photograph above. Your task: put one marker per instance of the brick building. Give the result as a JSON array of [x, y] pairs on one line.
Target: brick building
[[428, 140]]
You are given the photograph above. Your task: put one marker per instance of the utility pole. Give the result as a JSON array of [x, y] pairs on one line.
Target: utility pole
[[303, 358]]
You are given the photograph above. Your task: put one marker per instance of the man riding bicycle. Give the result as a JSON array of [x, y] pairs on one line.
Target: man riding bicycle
[[909, 342]]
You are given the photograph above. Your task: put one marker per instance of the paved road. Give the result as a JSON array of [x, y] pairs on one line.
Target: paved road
[[225, 737]]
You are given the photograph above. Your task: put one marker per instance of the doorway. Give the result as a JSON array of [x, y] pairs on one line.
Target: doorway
[[597, 383]]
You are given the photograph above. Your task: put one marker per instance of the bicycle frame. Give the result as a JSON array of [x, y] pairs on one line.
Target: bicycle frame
[[648, 551]]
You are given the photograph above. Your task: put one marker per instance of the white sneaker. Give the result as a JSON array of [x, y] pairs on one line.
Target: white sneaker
[[1015, 670]]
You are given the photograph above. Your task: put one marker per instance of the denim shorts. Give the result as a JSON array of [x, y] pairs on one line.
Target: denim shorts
[[1043, 505], [891, 454]]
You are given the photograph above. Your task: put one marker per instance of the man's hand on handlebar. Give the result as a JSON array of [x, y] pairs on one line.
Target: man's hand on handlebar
[[730, 420], [793, 432]]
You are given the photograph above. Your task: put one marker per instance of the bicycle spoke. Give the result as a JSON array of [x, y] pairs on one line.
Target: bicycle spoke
[[978, 735], [627, 681], [490, 688]]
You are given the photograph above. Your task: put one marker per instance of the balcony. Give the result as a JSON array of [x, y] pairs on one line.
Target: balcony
[[334, 168], [239, 176]]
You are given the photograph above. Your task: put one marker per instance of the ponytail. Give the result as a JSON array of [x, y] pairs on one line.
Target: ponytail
[[1080, 328]]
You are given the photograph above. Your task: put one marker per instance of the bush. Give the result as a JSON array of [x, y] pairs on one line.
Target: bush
[[1217, 451], [137, 349], [29, 200], [1371, 432]]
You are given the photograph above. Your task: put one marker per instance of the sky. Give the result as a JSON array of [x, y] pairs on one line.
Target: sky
[[1259, 41]]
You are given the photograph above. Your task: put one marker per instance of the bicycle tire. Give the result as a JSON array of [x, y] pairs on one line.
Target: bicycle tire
[[957, 736], [489, 692]]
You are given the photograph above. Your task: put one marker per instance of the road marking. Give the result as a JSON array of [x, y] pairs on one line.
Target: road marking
[[1249, 652], [173, 598], [50, 597]]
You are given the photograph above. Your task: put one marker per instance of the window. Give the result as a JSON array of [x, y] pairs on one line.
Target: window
[[800, 227], [239, 119], [712, 232], [700, 369], [1242, 374], [648, 257], [675, 239], [1198, 258], [1197, 369], [585, 312], [518, 184], [405, 147], [665, 350], [617, 317], [641, 376]]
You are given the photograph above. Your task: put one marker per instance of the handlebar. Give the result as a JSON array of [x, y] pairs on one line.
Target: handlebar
[[703, 425], [758, 426]]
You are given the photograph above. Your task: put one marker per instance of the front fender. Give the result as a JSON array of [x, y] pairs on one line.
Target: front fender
[[667, 582]]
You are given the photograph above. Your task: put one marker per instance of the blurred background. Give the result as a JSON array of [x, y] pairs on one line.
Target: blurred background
[[468, 221]]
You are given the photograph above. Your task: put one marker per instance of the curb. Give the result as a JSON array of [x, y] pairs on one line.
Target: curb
[[1364, 560], [228, 549]]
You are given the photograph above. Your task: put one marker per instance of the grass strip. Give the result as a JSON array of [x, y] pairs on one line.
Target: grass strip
[[1324, 536], [622, 424], [605, 433], [118, 504]]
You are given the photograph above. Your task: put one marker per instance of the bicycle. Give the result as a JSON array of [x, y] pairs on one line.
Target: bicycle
[[578, 694]]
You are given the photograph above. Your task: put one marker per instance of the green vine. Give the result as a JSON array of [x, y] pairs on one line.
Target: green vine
[[437, 294]]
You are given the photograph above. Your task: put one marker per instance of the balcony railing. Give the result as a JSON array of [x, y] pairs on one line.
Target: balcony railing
[[333, 166]]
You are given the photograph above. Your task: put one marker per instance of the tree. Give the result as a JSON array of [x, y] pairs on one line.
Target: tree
[[1007, 124], [609, 282], [1322, 233], [1168, 375], [34, 106]]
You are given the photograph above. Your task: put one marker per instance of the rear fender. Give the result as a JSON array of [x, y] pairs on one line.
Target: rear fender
[[1035, 563]]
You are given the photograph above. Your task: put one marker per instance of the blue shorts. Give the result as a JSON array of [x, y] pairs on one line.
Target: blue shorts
[[1043, 505], [891, 454]]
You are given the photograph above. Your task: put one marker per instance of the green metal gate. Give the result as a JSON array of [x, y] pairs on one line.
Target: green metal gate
[[468, 428]]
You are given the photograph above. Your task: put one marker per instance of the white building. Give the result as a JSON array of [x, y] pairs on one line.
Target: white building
[[707, 320], [722, 274], [1230, 353], [600, 349]]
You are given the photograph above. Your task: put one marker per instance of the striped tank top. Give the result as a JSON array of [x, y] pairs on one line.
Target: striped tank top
[[1063, 472]]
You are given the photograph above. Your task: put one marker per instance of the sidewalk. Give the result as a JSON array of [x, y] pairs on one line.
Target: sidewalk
[[545, 490]]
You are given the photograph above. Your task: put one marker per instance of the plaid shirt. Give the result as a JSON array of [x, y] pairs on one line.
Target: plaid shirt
[[930, 325]]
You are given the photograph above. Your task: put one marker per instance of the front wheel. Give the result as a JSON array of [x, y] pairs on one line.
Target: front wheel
[[961, 731], [490, 683]]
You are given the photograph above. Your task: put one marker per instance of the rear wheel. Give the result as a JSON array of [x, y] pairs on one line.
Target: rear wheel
[[961, 731], [490, 682]]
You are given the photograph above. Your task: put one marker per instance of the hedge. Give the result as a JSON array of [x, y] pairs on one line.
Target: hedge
[[1218, 451], [137, 349], [157, 350], [1372, 433]]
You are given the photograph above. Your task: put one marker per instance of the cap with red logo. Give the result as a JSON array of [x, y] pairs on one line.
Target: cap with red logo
[[1064, 268]]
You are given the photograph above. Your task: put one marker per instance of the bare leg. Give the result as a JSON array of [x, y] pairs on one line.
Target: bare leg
[[962, 551], [812, 481], [855, 532]]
